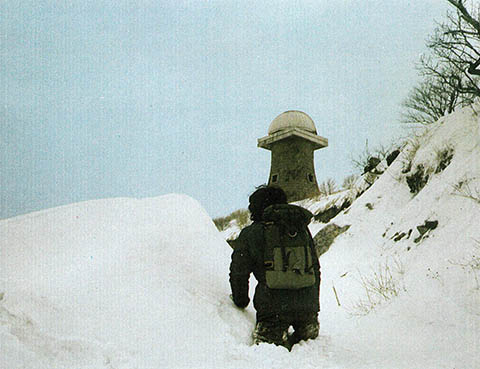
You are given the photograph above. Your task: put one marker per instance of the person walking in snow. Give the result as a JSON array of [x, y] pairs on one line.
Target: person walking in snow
[[278, 302]]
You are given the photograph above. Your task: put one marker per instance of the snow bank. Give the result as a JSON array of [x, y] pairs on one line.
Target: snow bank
[[431, 316], [117, 283]]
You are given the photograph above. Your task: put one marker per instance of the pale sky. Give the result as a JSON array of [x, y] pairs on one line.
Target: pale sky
[[144, 98]]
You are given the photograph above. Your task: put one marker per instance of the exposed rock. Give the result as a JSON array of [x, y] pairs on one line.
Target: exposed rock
[[409, 233], [325, 237], [444, 159], [327, 214], [417, 180], [399, 237], [346, 204], [422, 229], [371, 165], [360, 193], [392, 156], [425, 228]]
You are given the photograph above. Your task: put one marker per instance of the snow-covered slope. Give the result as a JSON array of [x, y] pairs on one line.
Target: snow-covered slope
[[420, 294], [125, 283]]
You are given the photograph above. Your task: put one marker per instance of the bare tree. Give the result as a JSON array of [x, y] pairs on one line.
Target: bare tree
[[474, 33], [349, 182], [328, 187], [455, 47], [430, 100], [460, 6], [450, 70], [367, 159]]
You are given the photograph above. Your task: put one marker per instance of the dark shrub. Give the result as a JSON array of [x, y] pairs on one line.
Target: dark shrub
[[444, 158], [417, 180]]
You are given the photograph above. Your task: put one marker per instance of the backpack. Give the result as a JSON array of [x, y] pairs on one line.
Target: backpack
[[288, 256]]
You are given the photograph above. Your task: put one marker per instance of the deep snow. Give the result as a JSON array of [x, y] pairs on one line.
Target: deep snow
[[126, 283]]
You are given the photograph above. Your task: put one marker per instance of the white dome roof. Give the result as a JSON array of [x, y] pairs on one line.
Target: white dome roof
[[292, 119]]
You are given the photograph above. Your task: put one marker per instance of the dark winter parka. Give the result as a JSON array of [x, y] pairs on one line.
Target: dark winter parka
[[247, 258]]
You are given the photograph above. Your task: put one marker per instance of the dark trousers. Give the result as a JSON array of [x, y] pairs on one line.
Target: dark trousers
[[274, 328]]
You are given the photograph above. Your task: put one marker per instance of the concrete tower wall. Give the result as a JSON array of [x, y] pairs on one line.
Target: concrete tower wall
[[292, 168], [292, 139]]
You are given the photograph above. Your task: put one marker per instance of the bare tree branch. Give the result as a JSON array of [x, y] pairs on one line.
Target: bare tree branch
[[465, 14], [458, 4], [450, 74], [473, 68]]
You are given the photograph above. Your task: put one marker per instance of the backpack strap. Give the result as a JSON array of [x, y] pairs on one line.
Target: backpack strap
[[306, 252], [272, 240], [269, 242], [284, 256], [312, 252]]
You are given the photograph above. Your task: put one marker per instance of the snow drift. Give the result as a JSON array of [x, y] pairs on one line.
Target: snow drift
[[117, 283], [125, 283]]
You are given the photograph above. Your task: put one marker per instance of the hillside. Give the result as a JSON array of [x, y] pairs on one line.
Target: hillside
[[126, 283], [409, 264]]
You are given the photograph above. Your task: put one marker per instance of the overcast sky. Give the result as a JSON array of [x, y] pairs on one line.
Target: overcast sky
[[143, 98]]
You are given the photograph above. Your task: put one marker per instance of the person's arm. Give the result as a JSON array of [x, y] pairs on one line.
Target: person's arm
[[240, 269], [315, 261]]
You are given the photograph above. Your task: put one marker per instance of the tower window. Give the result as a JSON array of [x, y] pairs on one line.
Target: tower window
[[274, 178], [310, 178]]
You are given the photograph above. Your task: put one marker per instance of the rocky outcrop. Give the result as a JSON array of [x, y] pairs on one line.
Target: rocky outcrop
[[325, 237], [331, 212]]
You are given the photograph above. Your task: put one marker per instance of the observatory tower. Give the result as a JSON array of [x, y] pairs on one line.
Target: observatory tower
[[292, 139]]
